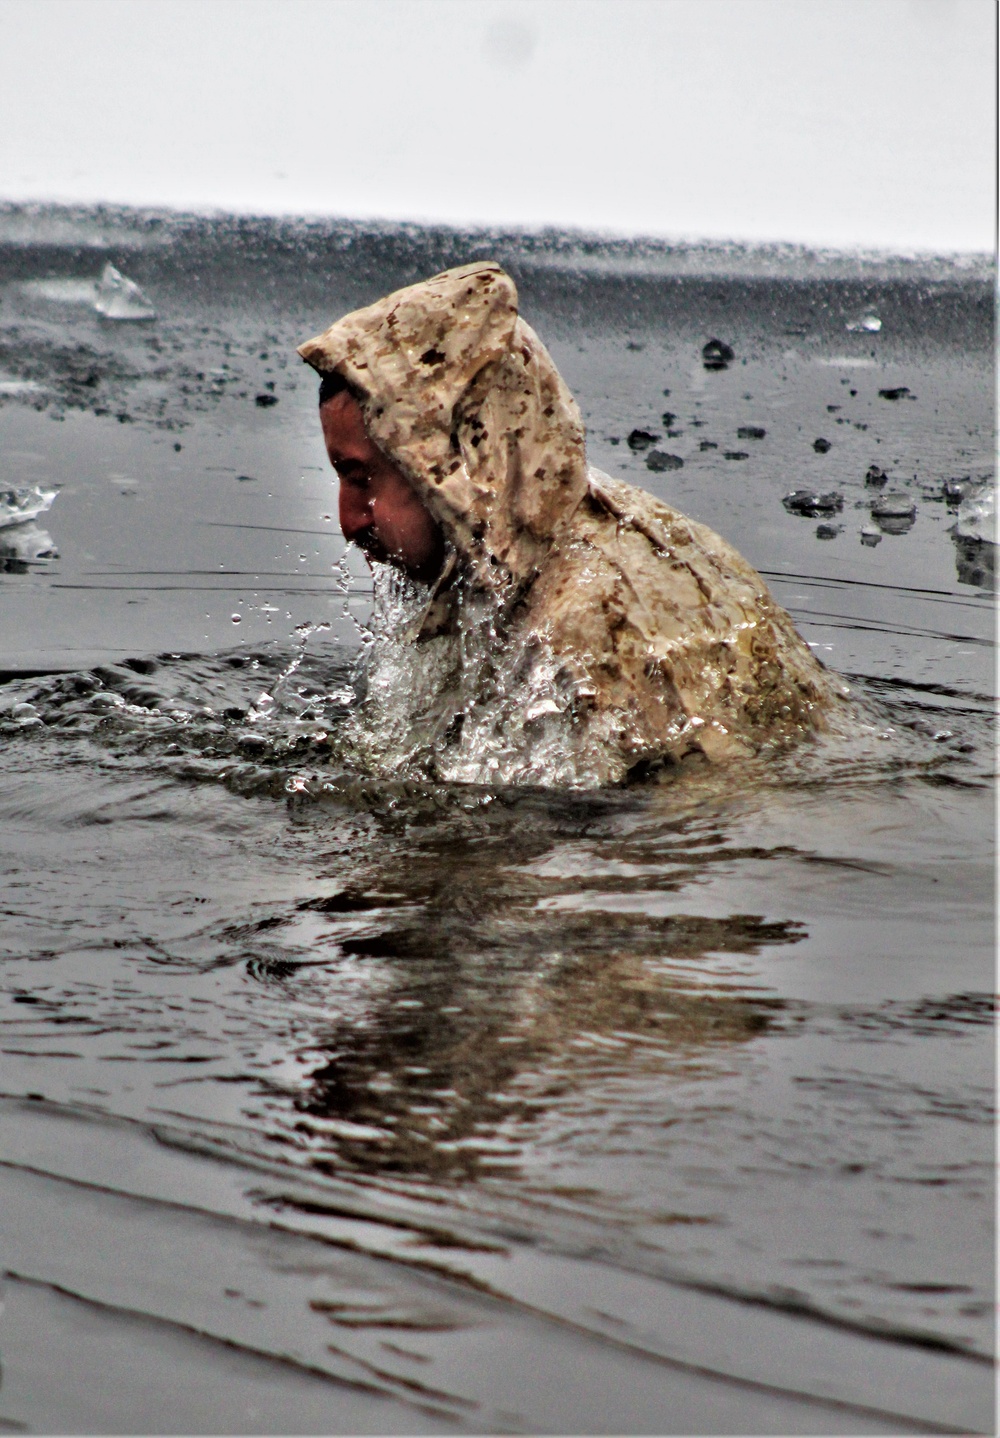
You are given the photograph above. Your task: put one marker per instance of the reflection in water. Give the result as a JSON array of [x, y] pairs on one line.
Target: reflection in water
[[560, 1010], [975, 560], [24, 545], [493, 1008]]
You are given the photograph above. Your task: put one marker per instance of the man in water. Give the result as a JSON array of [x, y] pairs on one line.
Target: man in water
[[462, 461]]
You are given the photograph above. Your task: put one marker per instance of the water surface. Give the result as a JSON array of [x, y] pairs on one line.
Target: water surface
[[338, 1101]]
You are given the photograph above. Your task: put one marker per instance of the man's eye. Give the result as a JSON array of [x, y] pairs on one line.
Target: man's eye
[[353, 475]]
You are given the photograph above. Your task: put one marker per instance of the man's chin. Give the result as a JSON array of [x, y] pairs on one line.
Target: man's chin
[[373, 550], [376, 553]]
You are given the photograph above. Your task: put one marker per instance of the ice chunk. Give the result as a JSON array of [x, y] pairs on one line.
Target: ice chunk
[[869, 323], [807, 502], [18, 506], [641, 439], [658, 460], [119, 298], [716, 354], [894, 505], [894, 513], [977, 517], [955, 490]]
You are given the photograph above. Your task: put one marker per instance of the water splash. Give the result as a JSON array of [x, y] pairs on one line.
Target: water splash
[[302, 706], [487, 704]]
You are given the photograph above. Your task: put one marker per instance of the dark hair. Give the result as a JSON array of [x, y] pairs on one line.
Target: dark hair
[[332, 384]]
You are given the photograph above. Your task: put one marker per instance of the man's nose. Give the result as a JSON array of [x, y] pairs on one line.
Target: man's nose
[[355, 512]]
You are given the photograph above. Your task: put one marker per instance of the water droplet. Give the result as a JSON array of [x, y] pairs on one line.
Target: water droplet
[[236, 618]]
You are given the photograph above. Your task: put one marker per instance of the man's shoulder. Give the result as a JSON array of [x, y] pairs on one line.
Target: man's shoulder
[[637, 508], [627, 498]]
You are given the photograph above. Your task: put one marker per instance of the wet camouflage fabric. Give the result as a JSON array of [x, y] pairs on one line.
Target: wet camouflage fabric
[[657, 623]]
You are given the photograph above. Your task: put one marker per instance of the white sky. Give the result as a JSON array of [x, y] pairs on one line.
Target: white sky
[[837, 122]]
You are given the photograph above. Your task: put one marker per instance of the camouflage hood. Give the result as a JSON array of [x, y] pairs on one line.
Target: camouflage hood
[[463, 396]]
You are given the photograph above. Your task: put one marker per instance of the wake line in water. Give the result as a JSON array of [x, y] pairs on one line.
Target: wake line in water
[[432, 1294]]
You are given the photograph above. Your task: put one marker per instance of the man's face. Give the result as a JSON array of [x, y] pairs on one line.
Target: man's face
[[379, 509]]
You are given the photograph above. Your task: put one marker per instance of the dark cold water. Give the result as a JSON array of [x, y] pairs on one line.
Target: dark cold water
[[335, 1098]]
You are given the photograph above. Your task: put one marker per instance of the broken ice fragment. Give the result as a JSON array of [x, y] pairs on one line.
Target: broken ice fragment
[[808, 503], [894, 505], [119, 298], [875, 477], [977, 517], [641, 439], [895, 513], [869, 323], [716, 354], [871, 536], [18, 506], [822, 446], [955, 490], [658, 460], [975, 537]]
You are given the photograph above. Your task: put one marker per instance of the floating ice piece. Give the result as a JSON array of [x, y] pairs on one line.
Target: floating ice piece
[[807, 502], [895, 512], [955, 490], [975, 560], [18, 506], [716, 354], [977, 517], [641, 439], [869, 323], [119, 298], [894, 505], [659, 460]]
